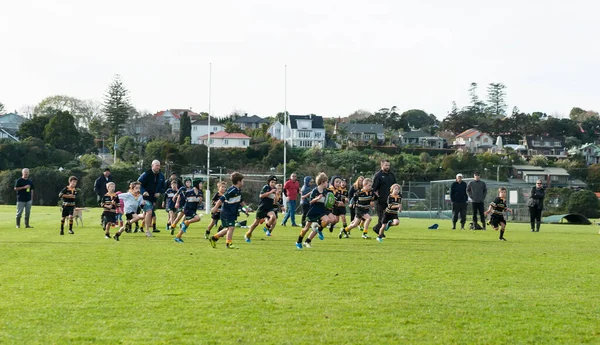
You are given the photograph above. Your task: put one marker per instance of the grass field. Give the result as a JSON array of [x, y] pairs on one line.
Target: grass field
[[419, 286]]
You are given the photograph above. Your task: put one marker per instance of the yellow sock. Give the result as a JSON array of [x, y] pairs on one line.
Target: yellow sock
[[217, 236], [323, 224], [228, 241]]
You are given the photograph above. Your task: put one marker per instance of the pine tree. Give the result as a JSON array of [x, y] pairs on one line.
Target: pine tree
[[496, 99], [185, 128], [1, 108], [116, 106]]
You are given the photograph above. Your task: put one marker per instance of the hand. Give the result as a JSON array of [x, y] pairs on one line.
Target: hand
[[146, 194], [156, 195], [26, 187]]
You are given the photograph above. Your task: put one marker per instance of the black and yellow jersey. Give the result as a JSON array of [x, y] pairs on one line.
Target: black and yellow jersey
[[68, 196], [110, 202], [393, 203], [498, 206], [364, 198]]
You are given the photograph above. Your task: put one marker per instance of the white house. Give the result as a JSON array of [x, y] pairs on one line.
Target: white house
[[200, 128], [474, 141], [223, 139], [306, 131], [12, 121], [276, 130], [589, 151]]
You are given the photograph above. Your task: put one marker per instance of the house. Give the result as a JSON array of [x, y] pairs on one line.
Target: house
[[423, 139], [360, 132], [223, 139], [474, 141], [8, 133], [552, 177], [173, 117], [306, 131], [200, 128], [12, 121], [250, 122], [590, 152], [276, 131], [545, 146]]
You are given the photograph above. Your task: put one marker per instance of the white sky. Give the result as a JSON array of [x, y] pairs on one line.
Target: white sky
[[340, 55]]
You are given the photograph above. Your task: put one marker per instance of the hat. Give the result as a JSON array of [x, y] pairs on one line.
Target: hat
[[433, 227], [272, 178], [459, 175]]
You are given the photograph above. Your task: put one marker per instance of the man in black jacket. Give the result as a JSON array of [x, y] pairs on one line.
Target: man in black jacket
[[459, 198], [382, 182], [100, 189], [152, 185]]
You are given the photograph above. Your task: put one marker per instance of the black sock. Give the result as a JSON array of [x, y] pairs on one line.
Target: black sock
[[331, 228], [345, 225], [71, 225], [300, 238], [501, 234], [62, 225], [308, 240], [168, 224]]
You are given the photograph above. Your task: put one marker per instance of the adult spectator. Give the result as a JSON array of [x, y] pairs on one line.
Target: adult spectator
[[100, 189], [459, 198], [24, 188], [382, 182], [536, 205], [291, 189], [477, 191], [152, 184]]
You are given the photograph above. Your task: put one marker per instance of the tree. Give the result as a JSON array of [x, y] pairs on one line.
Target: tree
[[34, 128], [185, 128], [83, 111], [584, 202], [61, 132], [231, 127], [417, 118], [1, 108], [477, 105], [580, 115], [496, 99], [539, 161], [116, 106]]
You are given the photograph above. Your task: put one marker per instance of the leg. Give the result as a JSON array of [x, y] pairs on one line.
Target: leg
[[20, 208], [475, 206], [292, 211], [538, 219], [27, 212], [305, 208], [253, 226], [463, 215], [454, 215], [481, 215], [532, 218], [287, 213], [380, 212], [71, 224]]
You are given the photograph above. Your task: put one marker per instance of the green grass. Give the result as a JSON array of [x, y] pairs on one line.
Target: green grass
[[419, 286]]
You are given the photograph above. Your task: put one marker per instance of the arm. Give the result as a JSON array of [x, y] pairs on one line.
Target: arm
[[469, 191], [376, 183], [266, 194]]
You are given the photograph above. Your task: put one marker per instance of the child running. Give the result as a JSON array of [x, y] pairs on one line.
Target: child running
[[169, 204], [277, 207], [317, 213], [109, 203], [390, 217], [229, 204], [132, 200], [180, 202], [339, 208], [221, 189], [363, 201], [193, 198], [265, 208], [497, 209], [68, 196]]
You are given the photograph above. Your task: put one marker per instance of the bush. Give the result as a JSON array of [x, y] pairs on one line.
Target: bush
[[584, 202]]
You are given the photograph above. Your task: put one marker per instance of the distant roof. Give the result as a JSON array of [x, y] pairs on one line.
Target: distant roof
[[528, 167], [250, 119], [317, 121], [556, 171], [469, 133], [414, 134], [205, 123], [362, 127], [225, 135]]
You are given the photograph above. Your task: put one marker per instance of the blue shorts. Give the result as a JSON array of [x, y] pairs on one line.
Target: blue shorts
[[148, 206]]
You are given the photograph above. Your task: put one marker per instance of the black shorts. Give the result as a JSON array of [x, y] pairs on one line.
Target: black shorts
[[388, 217], [496, 220], [109, 217], [68, 211], [189, 214], [339, 210], [260, 214], [361, 212], [129, 216], [215, 216]]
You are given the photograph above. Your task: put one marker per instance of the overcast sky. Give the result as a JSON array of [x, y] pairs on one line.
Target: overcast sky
[[341, 56]]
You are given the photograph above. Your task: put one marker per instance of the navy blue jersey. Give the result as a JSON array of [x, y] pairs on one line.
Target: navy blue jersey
[[193, 198], [231, 202], [266, 204], [181, 193], [319, 205], [170, 195]]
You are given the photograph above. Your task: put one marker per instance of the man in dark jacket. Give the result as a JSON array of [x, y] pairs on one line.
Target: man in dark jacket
[[477, 191], [459, 198], [382, 182], [152, 184], [100, 189]]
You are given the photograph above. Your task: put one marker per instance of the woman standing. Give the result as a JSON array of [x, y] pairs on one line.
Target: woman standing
[[536, 205]]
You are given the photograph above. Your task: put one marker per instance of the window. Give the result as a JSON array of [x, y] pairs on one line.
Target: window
[[303, 134], [215, 129], [305, 143], [317, 134], [195, 128], [536, 143], [557, 144], [225, 141], [486, 140], [212, 141], [244, 143], [554, 178]]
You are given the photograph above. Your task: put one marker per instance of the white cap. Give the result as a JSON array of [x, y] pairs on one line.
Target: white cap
[[459, 175]]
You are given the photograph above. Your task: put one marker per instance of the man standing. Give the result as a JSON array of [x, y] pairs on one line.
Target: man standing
[[152, 184], [24, 188], [382, 182], [290, 189], [477, 191], [459, 198], [100, 189]]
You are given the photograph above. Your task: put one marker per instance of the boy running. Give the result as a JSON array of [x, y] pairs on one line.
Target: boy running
[[68, 196], [390, 218], [110, 203], [317, 213], [180, 202], [132, 200], [229, 204], [265, 208], [363, 201], [169, 204], [497, 209], [193, 198], [221, 189]]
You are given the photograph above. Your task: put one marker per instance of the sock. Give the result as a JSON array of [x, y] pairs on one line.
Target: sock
[[168, 224], [501, 234], [216, 237], [377, 227], [323, 224], [154, 225], [71, 224], [220, 228], [331, 228], [308, 240], [62, 225], [207, 231], [300, 238], [345, 225], [186, 222]]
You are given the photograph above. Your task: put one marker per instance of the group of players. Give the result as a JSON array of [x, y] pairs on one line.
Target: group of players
[[324, 205]]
